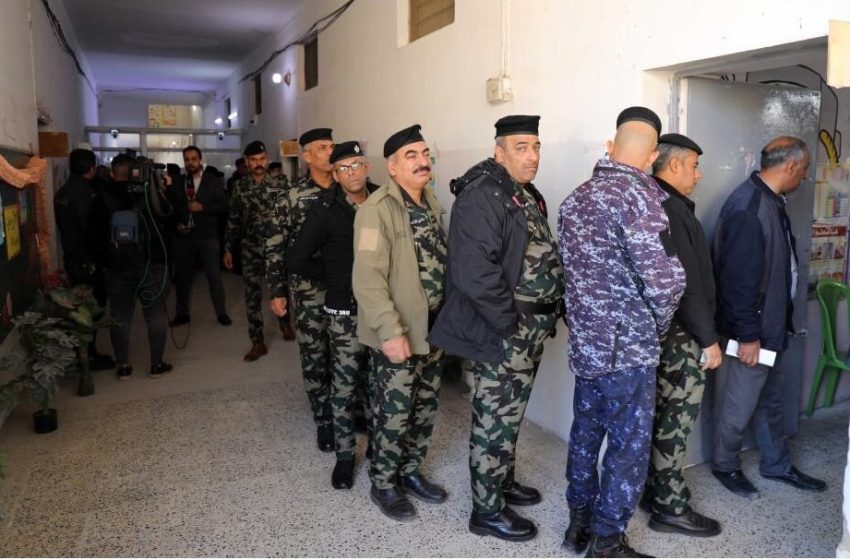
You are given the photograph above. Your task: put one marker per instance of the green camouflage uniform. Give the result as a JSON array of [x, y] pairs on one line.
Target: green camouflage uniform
[[249, 216], [502, 389], [406, 395], [679, 391], [350, 374], [308, 297]]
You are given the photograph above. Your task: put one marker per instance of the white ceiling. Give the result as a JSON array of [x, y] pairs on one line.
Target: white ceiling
[[172, 44]]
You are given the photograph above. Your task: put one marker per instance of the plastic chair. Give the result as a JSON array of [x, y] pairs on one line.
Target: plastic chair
[[831, 361]]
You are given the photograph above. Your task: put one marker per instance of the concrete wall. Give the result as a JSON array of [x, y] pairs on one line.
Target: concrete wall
[[575, 63]]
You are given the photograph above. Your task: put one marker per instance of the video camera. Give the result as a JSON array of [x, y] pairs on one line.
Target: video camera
[[144, 175]]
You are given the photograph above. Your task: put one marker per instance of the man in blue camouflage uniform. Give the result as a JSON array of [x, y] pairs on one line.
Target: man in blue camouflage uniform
[[503, 293], [623, 284], [248, 218], [308, 296]]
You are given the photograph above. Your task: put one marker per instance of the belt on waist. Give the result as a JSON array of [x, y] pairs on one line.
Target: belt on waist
[[536, 308]]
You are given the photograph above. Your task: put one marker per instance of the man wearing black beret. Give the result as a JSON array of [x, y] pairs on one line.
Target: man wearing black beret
[[681, 375], [308, 296], [398, 277], [504, 290], [248, 219]]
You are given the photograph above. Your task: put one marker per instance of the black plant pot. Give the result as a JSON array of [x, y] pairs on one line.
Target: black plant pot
[[45, 422]]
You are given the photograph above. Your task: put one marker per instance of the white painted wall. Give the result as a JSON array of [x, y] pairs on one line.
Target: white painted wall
[[576, 63]]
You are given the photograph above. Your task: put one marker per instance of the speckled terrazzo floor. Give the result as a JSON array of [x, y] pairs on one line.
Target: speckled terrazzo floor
[[218, 459]]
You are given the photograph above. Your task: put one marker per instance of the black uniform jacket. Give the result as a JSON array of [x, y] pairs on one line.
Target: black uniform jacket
[[698, 303], [210, 194], [324, 249]]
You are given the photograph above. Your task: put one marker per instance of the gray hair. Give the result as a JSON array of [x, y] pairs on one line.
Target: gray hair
[[666, 152], [501, 142], [781, 150]]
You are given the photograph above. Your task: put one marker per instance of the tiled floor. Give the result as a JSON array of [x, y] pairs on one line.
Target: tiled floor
[[218, 458]]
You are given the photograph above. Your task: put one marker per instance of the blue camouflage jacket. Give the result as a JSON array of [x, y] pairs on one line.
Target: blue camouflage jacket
[[623, 280]]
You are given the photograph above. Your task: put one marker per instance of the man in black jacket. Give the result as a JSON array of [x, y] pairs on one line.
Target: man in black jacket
[[324, 251], [72, 204], [198, 199], [503, 290], [681, 374]]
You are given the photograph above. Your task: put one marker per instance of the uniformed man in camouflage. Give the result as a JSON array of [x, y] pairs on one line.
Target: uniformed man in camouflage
[[398, 277], [681, 376], [503, 293], [623, 284], [324, 252], [308, 296], [249, 217]]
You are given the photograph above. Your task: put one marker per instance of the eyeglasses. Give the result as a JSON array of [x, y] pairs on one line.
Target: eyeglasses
[[351, 167]]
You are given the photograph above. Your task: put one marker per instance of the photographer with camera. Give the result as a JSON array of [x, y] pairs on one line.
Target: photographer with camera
[[198, 199], [127, 225]]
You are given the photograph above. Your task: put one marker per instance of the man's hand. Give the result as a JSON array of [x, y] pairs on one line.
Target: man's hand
[[196, 206], [397, 349], [713, 357], [278, 306], [166, 180], [227, 260], [748, 352]]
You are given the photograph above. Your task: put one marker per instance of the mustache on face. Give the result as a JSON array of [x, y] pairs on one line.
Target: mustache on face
[[422, 168]]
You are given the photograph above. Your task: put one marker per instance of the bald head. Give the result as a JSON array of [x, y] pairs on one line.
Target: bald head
[[635, 144], [784, 163]]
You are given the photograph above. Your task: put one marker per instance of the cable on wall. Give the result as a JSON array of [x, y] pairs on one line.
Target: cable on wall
[[56, 27]]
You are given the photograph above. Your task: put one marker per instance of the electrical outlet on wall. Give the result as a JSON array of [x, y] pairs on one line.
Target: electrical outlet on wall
[[499, 89]]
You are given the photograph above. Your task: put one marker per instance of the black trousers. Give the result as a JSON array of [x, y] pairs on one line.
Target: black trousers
[[185, 252], [125, 285]]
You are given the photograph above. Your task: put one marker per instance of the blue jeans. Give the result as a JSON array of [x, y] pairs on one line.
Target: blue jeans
[[620, 405]]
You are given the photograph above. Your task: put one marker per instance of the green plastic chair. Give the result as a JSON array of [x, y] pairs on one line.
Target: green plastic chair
[[831, 362]]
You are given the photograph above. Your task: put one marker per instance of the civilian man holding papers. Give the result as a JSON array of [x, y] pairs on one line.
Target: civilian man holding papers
[[755, 263]]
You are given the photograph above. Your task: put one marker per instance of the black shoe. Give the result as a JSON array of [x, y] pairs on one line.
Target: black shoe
[[616, 546], [505, 525], [393, 503], [361, 425], [799, 480], [419, 487], [100, 362], [736, 482], [159, 369], [325, 438], [578, 533], [224, 320], [518, 495], [178, 320], [688, 523], [124, 371], [646, 500], [343, 475]]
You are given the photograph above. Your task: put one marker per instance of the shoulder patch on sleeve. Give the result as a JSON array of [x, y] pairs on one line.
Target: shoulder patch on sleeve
[[368, 239]]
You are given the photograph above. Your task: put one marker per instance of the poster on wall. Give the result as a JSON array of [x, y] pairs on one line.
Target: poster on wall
[[13, 231], [830, 227], [162, 116]]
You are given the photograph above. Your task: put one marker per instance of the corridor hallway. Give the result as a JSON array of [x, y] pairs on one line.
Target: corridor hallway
[[218, 458]]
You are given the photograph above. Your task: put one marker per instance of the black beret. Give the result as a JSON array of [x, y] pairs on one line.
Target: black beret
[[402, 138], [640, 114], [346, 150], [680, 140], [254, 148], [315, 134], [275, 165], [517, 124]]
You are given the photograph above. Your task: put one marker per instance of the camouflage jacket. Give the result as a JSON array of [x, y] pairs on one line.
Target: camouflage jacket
[[623, 280], [288, 217], [249, 213]]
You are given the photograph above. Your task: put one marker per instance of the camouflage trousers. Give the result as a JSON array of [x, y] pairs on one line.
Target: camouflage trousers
[[678, 395], [618, 405], [311, 323], [403, 414], [253, 276], [502, 390], [350, 374]]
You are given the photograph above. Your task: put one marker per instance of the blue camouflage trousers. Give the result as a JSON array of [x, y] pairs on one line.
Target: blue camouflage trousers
[[619, 405]]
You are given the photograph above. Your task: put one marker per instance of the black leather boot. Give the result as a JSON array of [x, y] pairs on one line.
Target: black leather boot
[[615, 546], [418, 486], [505, 525], [518, 495], [578, 533], [343, 475], [325, 438], [393, 503]]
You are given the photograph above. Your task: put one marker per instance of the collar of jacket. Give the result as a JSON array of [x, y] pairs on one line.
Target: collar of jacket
[[500, 175], [671, 190], [607, 167], [759, 182], [394, 191]]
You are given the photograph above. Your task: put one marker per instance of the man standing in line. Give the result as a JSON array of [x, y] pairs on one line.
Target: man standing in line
[[681, 375], [755, 262], [623, 284], [324, 251], [398, 278], [503, 292], [311, 322], [248, 223]]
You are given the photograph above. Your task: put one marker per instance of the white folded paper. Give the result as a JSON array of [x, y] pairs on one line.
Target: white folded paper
[[766, 357]]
